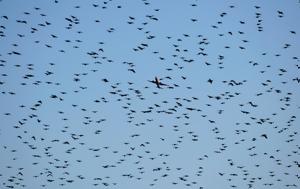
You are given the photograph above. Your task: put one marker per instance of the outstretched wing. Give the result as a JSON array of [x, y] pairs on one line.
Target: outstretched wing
[[163, 84]]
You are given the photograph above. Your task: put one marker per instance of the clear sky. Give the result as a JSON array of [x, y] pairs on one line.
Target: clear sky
[[80, 107]]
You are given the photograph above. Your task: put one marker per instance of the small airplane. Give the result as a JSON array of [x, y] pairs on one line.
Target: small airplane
[[158, 83]]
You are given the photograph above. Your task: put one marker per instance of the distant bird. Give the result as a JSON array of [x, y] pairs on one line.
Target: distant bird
[[265, 136]]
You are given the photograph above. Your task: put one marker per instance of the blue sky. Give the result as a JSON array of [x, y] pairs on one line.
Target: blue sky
[[240, 131]]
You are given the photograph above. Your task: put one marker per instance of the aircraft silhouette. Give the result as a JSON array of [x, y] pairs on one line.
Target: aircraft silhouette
[[158, 83]]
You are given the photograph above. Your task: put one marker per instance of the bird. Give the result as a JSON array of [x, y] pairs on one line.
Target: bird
[[265, 136]]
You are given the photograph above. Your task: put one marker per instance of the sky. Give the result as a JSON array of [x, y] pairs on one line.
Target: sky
[[79, 106]]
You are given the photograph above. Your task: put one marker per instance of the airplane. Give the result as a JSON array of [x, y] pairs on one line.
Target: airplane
[[158, 83]]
